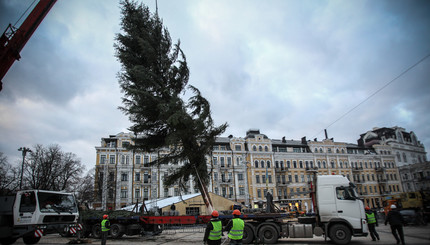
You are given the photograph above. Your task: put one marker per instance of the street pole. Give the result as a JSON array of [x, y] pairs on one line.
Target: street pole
[[24, 152]]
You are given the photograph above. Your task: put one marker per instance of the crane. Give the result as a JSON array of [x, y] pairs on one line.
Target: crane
[[13, 40]]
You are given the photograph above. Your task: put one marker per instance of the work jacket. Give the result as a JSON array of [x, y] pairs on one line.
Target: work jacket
[[236, 232], [216, 232], [105, 225]]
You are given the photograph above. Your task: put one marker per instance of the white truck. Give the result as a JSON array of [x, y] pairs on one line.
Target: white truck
[[30, 214], [339, 215]]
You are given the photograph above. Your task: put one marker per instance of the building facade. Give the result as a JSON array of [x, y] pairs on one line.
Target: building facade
[[244, 169]]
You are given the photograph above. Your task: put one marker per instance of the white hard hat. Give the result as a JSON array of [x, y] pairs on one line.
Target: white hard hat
[[393, 206]]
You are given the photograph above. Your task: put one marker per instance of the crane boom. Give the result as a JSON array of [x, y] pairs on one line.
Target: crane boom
[[13, 41]]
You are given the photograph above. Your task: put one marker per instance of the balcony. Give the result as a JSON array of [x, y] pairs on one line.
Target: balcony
[[357, 169], [382, 180], [280, 170], [380, 169], [283, 183], [312, 169]]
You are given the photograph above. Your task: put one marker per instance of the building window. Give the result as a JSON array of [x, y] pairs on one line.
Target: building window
[[238, 147], [137, 177], [254, 148], [257, 179], [137, 159], [166, 192], [294, 164], [192, 210], [112, 159], [124, 177], [262, 164], [256, 164], [404, 157], [102, 159], [137, 193], [215, 160], [260, 148], [215, 176], [241, 191], [324, 165], [268, 164], [111, 176], [263, 178], [296, 178], [240, 176], [228, 161], [259, 193], [123, 193], [221, 160], [216, 191], [288, 164], [266, 148]]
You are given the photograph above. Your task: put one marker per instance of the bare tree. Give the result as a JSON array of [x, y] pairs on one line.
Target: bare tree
[[84, 189], [9, 175], [48, 168]]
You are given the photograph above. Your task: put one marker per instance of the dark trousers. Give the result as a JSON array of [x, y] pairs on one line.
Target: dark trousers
[[104, 237], [232, 241], [372, 231], [398, 229], [214, 242]]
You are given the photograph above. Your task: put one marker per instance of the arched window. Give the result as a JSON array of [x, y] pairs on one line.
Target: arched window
[[268, 164], [341, 164], [337, 150], [254, 148], [321, 150], [262, 164], [301, 164], [266, 148], [332, 164], [324, 165], [343, 151], [404, 157], [294, 164], [260, 148], [319, 164], [256, 164], [316, 150]]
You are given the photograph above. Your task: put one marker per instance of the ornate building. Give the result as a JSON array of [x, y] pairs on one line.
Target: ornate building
[[245, 169]]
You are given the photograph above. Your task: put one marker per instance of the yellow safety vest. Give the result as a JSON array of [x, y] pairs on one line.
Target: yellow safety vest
[[236, 232], [371, 218], [104, 228], [215, 233]]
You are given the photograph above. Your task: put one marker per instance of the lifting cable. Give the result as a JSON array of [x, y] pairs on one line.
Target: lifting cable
[[377, 91]]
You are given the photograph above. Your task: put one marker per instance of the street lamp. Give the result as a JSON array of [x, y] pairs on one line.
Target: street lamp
[[24, 152]]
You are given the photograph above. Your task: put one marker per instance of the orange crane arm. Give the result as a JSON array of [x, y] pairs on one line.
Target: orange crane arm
[[13, 42]]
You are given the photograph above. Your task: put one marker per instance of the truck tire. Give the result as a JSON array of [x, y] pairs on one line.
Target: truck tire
[[8, 240], [97, 232], [248, 235], [340, 234], [30, 239], [268, 234], [116, 231]]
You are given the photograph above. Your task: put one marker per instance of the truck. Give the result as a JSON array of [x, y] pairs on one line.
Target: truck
[[338, 215], [30, 214]]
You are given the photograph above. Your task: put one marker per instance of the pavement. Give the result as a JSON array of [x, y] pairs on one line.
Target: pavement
[[414, 235]]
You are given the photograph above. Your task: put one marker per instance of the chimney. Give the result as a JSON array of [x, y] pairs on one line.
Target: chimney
[[326, 135]]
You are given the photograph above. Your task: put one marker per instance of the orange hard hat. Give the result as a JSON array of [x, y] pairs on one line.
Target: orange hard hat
[[367, 208], [215, 213], [105, 216], [236, 212]]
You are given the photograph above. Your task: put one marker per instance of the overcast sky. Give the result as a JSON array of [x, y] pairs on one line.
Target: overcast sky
[[288, 68]]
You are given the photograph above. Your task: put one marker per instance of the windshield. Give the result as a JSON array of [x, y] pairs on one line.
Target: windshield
[[56, 203], [346, 193]]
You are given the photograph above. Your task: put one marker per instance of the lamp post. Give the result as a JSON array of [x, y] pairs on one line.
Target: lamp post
[[24, 152]]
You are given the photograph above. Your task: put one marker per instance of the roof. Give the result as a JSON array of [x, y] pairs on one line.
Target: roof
[[162, 202]]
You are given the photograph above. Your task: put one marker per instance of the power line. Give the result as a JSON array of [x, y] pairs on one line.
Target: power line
[[377, 91]]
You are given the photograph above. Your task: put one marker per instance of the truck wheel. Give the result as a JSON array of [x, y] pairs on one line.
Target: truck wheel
[[116, 231], [268, 234], [8, 240], [97, 232], [248, 235], [30, 239], [340, 234]]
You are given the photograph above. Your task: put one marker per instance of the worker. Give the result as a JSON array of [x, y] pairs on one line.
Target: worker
[[235, 228], [213, 232], [396, 222], [372, 221], [105, 228]]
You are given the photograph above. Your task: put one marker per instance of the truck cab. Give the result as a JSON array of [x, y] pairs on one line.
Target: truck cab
[[338, 204], [33, 213]]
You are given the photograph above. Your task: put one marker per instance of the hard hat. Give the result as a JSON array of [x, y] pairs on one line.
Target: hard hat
[[367, 208], [215, 213], [236, 212], [393, 206], [105, 216]]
